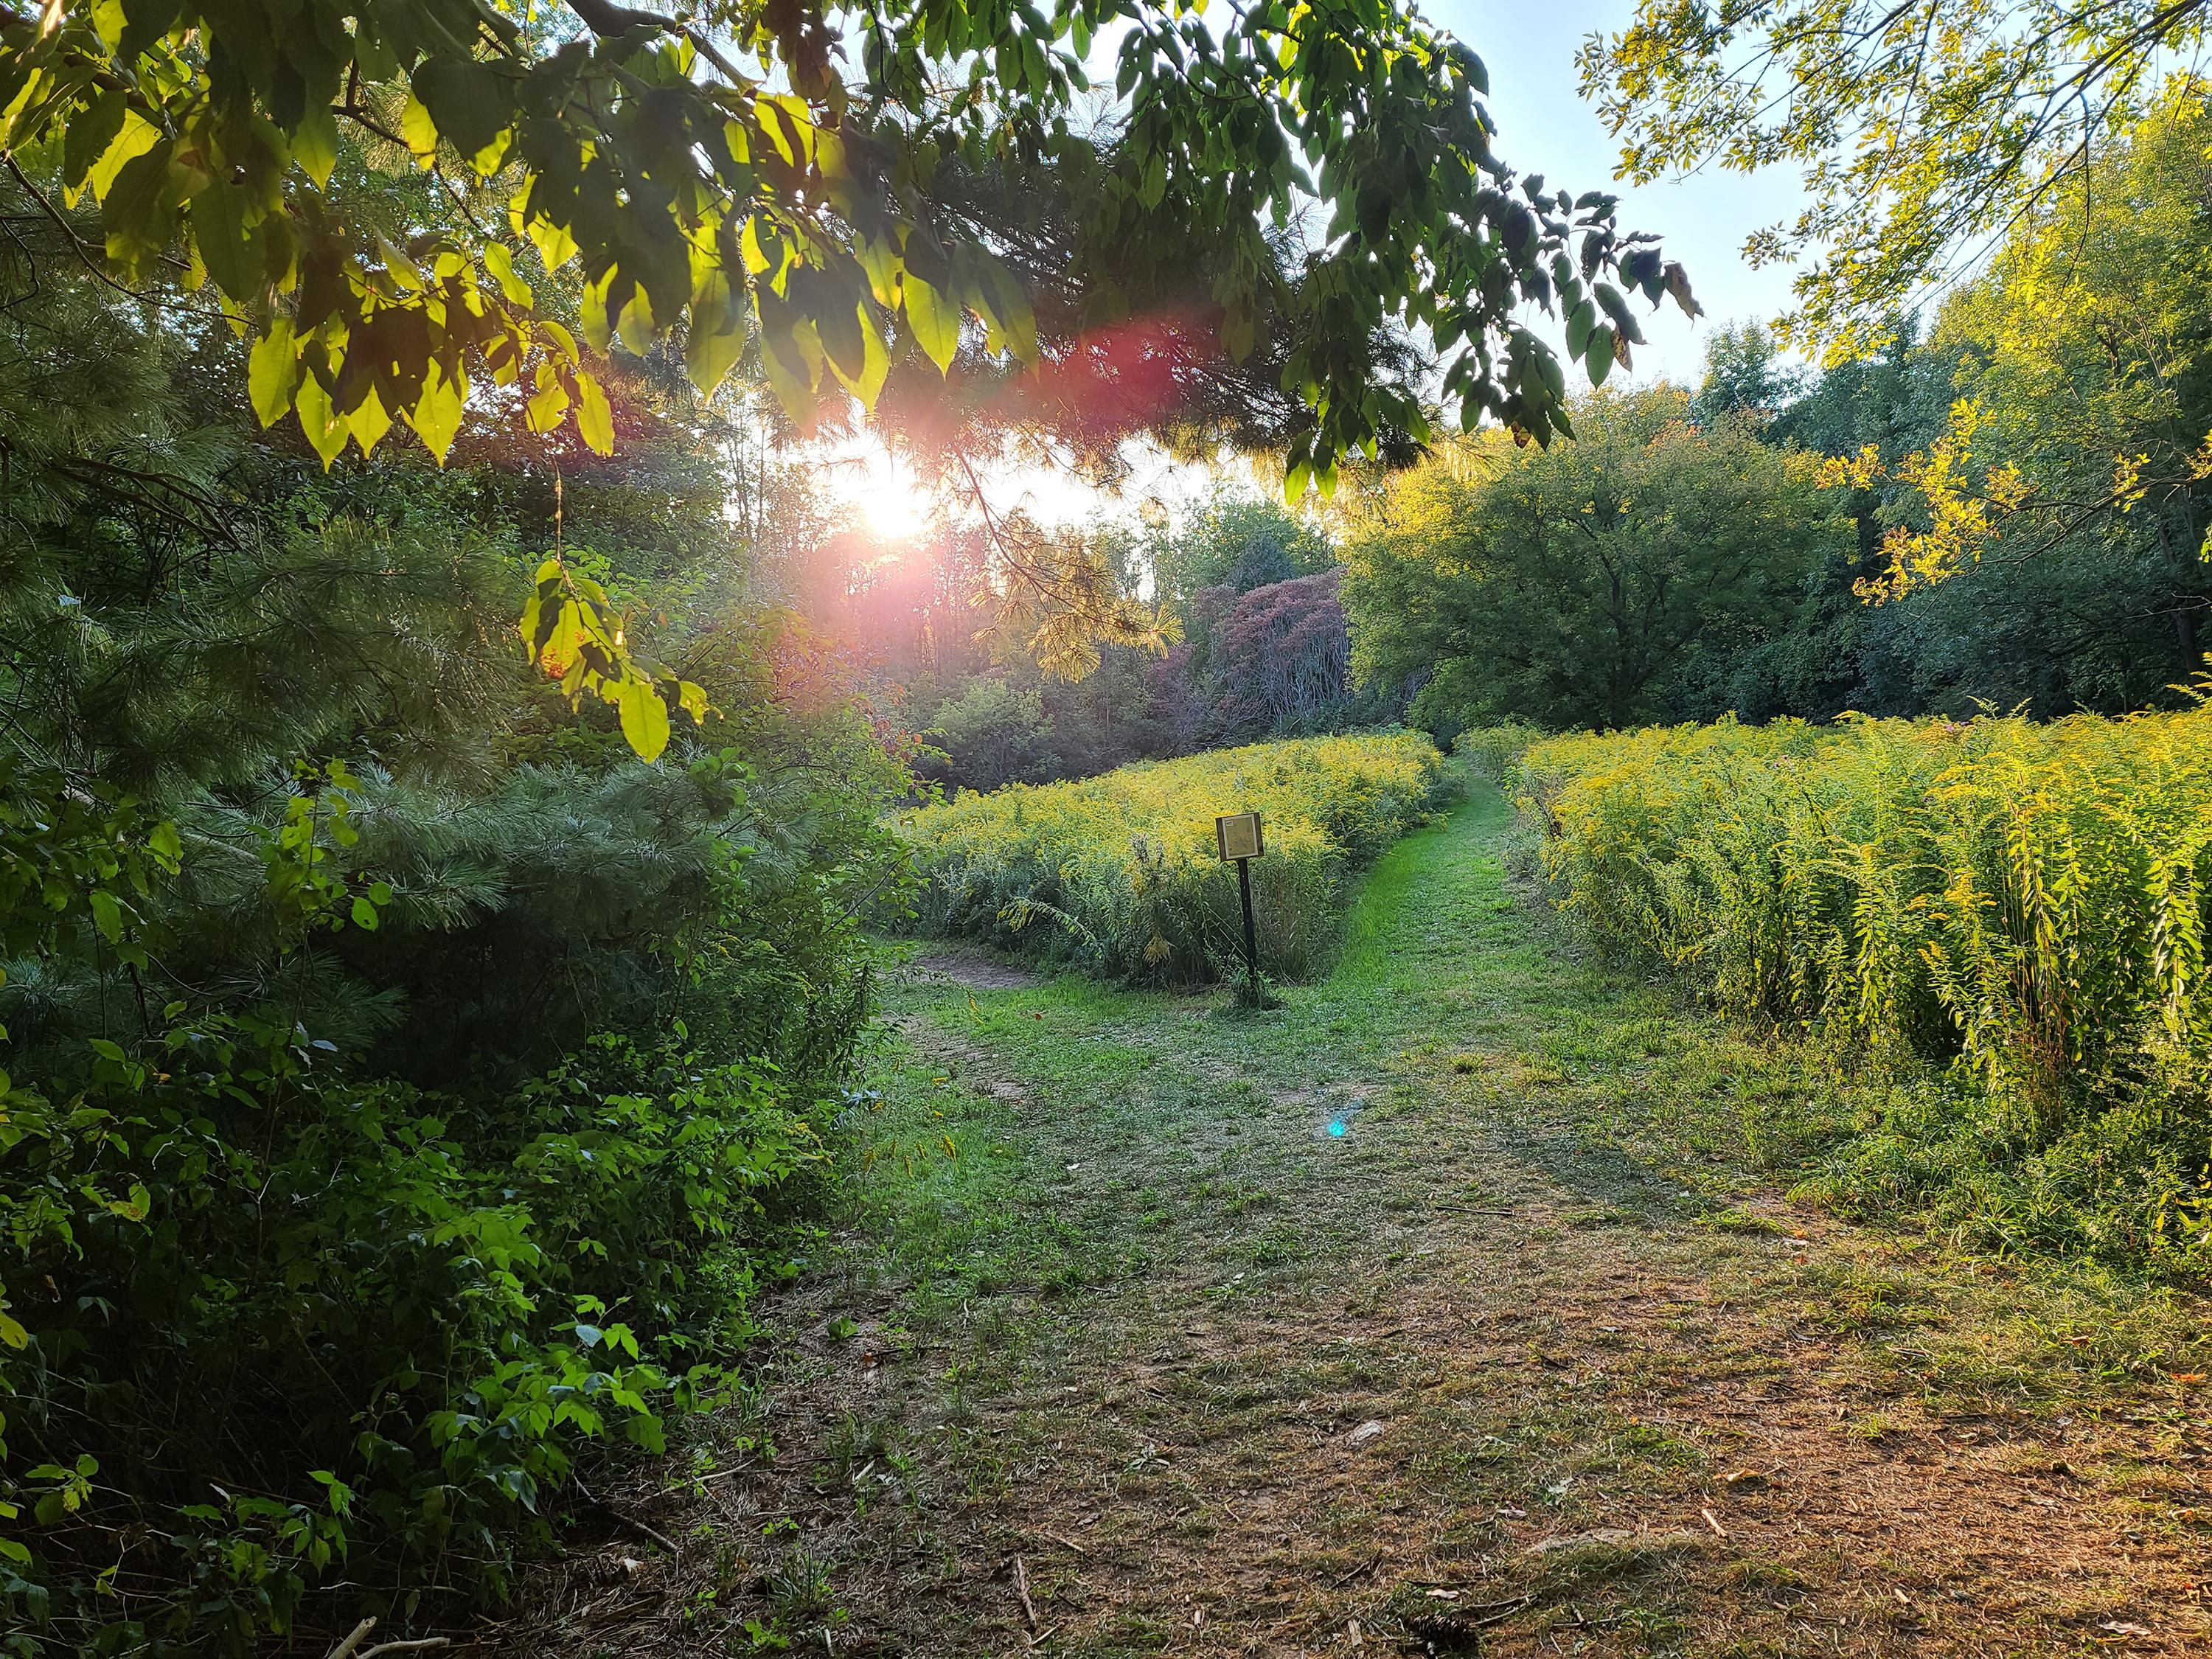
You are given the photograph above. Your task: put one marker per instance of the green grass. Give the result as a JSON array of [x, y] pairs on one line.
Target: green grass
[[1127, 1277], [1460, 1022]]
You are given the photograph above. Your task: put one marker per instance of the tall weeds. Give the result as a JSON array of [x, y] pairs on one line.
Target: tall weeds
[[2014, 912], [1120, 873]]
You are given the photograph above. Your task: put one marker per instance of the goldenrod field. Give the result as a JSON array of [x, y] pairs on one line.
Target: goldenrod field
[[1120, 873], [2014, 912]]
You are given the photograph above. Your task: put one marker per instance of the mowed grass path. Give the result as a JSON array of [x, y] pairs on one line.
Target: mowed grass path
[[1127, 1353]]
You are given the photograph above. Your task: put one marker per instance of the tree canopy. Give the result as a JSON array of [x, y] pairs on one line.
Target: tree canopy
[[780, 178], [1587, 585], [1923, 130]]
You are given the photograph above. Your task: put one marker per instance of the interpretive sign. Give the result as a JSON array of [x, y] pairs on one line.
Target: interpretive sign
[[1239, 834]]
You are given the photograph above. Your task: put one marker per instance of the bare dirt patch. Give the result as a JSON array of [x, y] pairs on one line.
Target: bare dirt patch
[[974, 969]]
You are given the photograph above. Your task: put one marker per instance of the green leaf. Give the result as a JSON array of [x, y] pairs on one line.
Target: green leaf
[[935, 321], [644, 717], [1600, 354], [1581, 319], [364, 915], [106, 915], [315, 143], [13, 1334]]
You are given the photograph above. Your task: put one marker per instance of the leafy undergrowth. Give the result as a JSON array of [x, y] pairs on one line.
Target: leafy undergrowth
[[1121, 874], [1452, 1304]]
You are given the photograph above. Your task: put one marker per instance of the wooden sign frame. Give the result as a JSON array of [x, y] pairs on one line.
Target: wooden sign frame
[[1238, 835]]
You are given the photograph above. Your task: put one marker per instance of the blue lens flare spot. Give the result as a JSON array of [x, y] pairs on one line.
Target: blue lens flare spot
[[1336, 1127]]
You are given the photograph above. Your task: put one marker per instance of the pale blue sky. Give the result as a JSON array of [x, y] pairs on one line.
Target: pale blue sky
[[1545, 126]]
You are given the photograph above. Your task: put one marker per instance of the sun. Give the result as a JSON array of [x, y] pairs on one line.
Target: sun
[[890, 500]]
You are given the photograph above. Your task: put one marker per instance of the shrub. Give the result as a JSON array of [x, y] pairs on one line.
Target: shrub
[[2021, 908], [1121, 873], [1494, 750], [264, 1320], [991, 735]]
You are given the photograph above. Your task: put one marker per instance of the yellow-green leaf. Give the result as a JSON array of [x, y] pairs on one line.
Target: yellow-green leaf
[[592, 312], [595, 419], [436, 416], [935, 320], [549, 404], [555, 246], [370, 422], [419, 131], [709, 355], [498, 261], [136, 137], [271, 370], [875, 361], [324, 427], [644, 717], [636, 324]]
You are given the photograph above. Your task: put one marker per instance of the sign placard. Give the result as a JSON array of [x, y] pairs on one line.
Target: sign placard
[[1239, 834]]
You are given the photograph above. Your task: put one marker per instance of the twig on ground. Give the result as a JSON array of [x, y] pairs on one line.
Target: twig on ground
[[1719, 1531], [359, 1633], [641, 1528], [724, 1474], [1358, 1571], [413, 1644], [636, 1525], [1065, 1543], [1506, 1611], [1022, 1590]]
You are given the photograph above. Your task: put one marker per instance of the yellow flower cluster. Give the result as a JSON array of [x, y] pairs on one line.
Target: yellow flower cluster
[[1120, 872], [2028, 900]]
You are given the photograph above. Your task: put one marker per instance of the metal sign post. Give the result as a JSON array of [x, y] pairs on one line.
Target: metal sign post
[[1238, 836]]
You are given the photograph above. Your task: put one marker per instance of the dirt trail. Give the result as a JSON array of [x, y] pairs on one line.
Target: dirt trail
[[1436, 1313]]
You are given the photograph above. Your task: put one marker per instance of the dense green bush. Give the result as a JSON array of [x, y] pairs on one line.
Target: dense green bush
[[406, 1088], [1121, 873], [269, 1317], [2011, 918]]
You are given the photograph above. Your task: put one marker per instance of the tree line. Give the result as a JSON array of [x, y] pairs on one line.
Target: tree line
[[2007, 509]]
